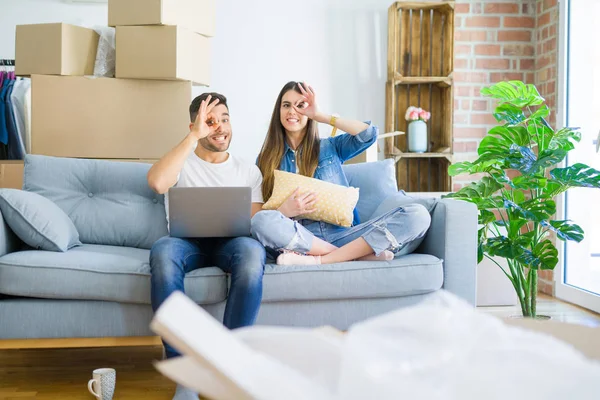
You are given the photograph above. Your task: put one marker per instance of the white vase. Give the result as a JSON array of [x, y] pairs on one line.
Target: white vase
[[417, 137]]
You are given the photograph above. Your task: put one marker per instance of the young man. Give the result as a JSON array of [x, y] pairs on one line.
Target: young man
[[201, 160]]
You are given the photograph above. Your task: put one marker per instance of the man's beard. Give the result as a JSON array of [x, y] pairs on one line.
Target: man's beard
[[205, 142]]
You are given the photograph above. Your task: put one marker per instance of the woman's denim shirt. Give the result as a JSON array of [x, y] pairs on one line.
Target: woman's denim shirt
[[334, 152]]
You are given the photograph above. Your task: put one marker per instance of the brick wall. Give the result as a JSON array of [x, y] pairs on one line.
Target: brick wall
[[494, 41], [546, 80]]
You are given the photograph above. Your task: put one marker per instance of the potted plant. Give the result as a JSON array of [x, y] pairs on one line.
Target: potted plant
[[520, 159], [417, 129]]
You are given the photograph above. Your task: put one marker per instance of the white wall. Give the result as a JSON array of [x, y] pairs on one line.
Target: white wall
[[338, 46]]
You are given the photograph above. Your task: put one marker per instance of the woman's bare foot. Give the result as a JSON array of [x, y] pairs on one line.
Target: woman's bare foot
[[386, 255], [297, 259], [291, 258]]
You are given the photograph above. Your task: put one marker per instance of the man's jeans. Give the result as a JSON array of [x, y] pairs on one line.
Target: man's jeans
[[397, 230], [243, 258]]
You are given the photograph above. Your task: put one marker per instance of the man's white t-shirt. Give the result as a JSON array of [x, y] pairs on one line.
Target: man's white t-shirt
[[233, 172]]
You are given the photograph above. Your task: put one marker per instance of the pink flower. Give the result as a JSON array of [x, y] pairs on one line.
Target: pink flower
[[416, 113], [409, 110]]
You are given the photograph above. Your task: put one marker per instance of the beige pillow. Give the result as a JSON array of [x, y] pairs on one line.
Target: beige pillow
[[335, 203]]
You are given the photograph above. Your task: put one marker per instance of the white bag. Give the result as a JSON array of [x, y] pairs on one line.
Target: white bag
[[443, 348], [106, 54]]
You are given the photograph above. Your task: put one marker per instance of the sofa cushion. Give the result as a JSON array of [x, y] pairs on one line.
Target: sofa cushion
[[403, 276], [94, 272], [37, 221], [376, 181], [109, 202], [335, 203]]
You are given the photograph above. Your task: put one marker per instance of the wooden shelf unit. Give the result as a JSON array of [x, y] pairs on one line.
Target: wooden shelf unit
[[420, 69]]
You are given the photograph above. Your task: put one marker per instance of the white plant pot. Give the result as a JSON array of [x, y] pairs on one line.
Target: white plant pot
[[417, 137], [493, 287]]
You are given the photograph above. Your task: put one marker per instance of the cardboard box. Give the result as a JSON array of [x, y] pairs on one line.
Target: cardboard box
[[11, 174], [196, 15], [586, 339], [91, 117], [162, 52], [55, 49]]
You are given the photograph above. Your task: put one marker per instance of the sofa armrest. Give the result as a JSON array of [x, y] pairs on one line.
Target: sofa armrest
[[9, 242], [452, 237]]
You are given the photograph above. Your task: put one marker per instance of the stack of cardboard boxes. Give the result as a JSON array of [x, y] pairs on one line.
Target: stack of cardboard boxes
[[162, 49]]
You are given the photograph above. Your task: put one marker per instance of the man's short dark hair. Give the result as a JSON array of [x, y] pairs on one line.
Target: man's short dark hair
[[198, 100]]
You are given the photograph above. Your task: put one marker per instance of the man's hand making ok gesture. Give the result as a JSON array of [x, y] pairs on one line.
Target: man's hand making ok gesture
[[205, 120]]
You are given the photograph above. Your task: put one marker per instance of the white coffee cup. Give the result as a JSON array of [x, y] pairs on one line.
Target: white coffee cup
[[102, 384]]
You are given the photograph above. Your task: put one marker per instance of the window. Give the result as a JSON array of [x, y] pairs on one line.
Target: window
[[578, 276]]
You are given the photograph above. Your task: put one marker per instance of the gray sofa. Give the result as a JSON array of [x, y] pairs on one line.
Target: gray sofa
[[101, 288]]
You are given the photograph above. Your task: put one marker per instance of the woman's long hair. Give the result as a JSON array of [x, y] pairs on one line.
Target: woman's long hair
[[272, 150]]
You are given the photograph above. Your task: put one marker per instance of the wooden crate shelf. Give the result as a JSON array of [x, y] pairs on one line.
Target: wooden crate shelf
[[420, 39], [423, 174], [420, 73], [438, 154], [442, 81], [434, 98]]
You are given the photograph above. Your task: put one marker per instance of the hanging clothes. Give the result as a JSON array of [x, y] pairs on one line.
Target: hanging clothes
[[14, 150], [15, 113], [5, 79], [18, 98], [27, 102]]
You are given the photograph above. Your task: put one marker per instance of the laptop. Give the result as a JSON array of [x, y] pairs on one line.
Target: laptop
[[200, 212]]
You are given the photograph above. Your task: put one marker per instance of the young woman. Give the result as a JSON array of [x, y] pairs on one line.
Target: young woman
[[293, 145]]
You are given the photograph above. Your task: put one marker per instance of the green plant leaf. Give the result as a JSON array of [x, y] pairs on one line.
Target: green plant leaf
[[542, 112], [565, 230], [486, 217], [533, 210], [511, 134], [540, 132], [554, 188], [485, 187], [576, 175], [490, 167], [548, 158], [481, 239], [501, 246], [500, 176], [498, 142], [565, 139], [509, 113], [524, 159], [520, 158], [518, 196], [528, 182], [543, 256], [493, 148], [515, 93], [467, 167], [490, 203]]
